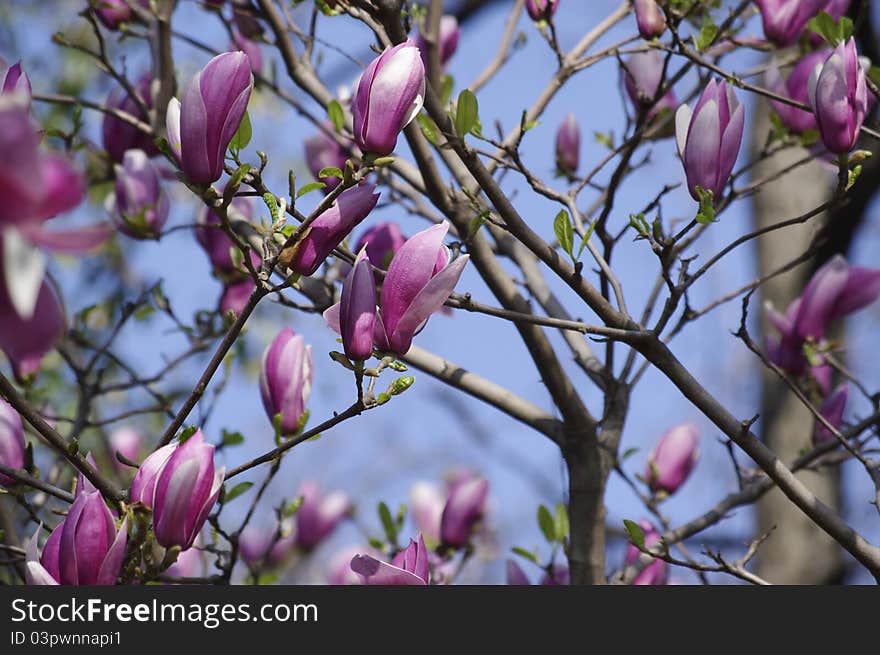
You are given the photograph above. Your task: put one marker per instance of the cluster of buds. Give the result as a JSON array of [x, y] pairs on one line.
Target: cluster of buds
[[415, 286]]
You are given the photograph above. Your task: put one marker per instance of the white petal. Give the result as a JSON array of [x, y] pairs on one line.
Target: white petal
[[682, 125], [23, 269]]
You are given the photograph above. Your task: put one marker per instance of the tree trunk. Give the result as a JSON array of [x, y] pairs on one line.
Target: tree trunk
[[797, 552]]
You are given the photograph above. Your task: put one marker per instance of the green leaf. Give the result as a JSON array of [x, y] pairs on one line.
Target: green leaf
[[291, 508], [309, 188], [401, 384], [236, 180], [560, 522], [232, 438], [388, 523], [272, 205], [706, 215], [638, 223], [236, 491], [187, 433], [586, 238], [278, 426], [564, 231], [429, 128], [524, 124], [446, 89], [466, 112], [606, 140], [477, 222], [545, 522], [845, 28], [267, 579], [809, 137], [832, 31], [853, 176], [243, 134], [706, 36], [330, 171], [522, 552], [629, 452], [325, 8], [336, 115], [144, 312], [825, 26], [636, 536]]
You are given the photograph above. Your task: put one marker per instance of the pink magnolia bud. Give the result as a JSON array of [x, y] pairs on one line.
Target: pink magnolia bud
[[318, 515], [709, 138], [190, 563], [214, 241], [324, 152], [127, 442], [673, 458], [236, 295], [381, 242], [515, 575], [655, 573], [448, 41], [357, 310], [329, 229], [179, 483], [259, 546], [650, 19], [15, 81], [568, 146], [835, 291], [409, 567], [143, 487], [140, 206], [426, 504], [339, 566], [118, 136], [250, 48], [115, 12], [83, 484], [642, 78], [838, 94], [85, 549], [785, 20], [26, 341], [244, 15], [413, 288], [832, 410], [207, 118], [11, 441], [35, 185], [286, 377], [464, 509], [796, 87], [542, 9], [389, 95]]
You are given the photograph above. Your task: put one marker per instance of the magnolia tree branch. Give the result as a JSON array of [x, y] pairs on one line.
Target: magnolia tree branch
[[69, 450]]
